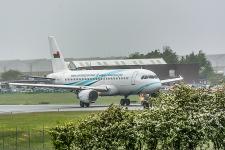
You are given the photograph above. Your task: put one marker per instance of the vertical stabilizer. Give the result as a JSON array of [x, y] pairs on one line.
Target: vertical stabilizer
[[58, 63]]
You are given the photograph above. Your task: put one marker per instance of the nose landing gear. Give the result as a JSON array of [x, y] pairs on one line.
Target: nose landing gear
[[145, 100], [145, 104]]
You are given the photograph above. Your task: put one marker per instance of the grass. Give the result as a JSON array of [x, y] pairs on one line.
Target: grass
[[53, 98], [29, 131], [37, 120]]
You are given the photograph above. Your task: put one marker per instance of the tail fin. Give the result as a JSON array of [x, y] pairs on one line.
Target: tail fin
[[58, 63]]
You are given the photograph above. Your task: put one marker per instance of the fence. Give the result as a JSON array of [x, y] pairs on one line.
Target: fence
[[25, 139]]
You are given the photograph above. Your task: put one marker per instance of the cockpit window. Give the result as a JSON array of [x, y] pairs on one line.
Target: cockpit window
[[149, 77]]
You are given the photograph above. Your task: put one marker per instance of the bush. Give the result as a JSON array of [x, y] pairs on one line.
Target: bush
[[110, 129], [63, 136], [185, 118]]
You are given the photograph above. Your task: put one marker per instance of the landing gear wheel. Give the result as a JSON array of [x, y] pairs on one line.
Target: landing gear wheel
[[87, 104], [81, 104], [145, 104], [122, 102], [127, 102]]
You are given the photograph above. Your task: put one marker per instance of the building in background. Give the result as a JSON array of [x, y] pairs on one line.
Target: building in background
[[116, 62], [42, 67]]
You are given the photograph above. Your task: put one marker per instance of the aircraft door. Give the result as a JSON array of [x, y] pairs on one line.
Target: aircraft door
[[133, 78]]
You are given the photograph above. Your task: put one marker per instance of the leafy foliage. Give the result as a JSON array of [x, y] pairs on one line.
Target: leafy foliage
[[107, 130], [200, 58], [184, 118], [11, 75], [63, 136], [167, 54]]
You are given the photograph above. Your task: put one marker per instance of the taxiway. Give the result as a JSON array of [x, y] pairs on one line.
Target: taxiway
[[9, 109]]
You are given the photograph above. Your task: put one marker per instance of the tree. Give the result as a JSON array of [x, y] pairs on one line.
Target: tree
[[136, 55], [206, 69], [11, 75], [169, 56], [154, 54]]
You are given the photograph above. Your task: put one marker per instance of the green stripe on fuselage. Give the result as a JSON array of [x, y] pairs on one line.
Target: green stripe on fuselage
[[90, 82]]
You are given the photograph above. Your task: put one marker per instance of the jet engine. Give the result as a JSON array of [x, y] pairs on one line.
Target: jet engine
[[88, 96]]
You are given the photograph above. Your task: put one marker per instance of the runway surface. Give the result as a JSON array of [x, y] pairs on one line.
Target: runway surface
[[8, 109]]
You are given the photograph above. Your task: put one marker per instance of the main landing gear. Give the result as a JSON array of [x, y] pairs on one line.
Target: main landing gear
[[125, 101], [82, 104]]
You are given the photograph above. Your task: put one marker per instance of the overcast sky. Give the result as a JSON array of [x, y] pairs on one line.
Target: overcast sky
[[102, 28]]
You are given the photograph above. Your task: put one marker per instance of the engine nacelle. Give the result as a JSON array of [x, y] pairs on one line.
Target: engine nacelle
[[88, 96]]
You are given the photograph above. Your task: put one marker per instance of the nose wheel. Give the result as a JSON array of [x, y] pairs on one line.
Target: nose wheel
[[125, 102], [145, 104], [145, 100]]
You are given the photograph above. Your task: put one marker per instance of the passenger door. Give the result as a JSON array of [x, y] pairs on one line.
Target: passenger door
[[133, 78]]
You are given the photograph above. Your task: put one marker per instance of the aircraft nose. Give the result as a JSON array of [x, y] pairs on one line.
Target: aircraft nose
[[153, 86], [159, 85]]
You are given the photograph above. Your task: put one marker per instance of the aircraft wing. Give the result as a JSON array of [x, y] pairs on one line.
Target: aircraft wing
[[69, 87], [172, 80]]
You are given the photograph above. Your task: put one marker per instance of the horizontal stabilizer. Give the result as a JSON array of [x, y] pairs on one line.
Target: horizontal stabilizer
[[36, 77]]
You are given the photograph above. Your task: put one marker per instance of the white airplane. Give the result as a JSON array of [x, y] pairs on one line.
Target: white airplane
[[89, 84]]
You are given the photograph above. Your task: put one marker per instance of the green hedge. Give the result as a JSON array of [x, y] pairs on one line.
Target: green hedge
[[184, 118]]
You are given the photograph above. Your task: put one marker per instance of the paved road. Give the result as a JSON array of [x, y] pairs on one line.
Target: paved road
[[7, 109]]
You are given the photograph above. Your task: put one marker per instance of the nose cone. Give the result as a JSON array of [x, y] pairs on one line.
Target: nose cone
[[157, 85], [152, 87]]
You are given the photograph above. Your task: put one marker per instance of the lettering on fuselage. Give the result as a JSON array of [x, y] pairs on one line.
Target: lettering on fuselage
[[97, 75]]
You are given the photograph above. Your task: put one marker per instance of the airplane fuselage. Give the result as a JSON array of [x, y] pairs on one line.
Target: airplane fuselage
[[119, 82]]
